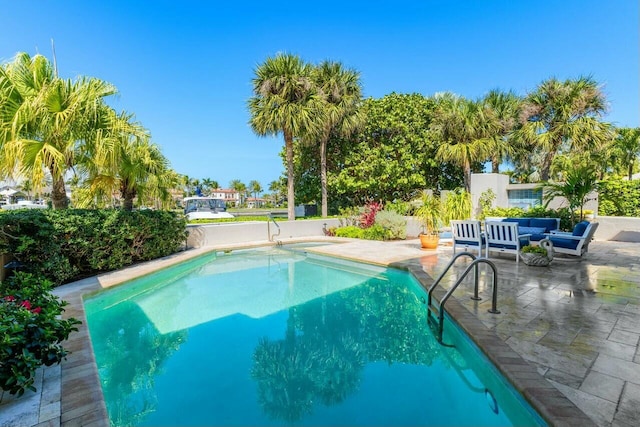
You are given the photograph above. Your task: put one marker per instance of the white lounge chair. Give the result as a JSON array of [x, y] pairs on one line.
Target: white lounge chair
[[576, 242], [503, 237], [467, 235]]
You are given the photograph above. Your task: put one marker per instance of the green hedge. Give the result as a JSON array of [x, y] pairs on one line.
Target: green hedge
[[64, 245], [617, 197]]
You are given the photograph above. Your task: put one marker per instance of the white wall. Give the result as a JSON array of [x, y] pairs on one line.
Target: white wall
[[481, 182], [202, 235]]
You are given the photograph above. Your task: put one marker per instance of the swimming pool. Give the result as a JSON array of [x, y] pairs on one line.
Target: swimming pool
[[275, 337]]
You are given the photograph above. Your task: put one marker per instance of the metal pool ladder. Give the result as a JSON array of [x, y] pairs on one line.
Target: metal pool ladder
[[437, 310], [269, 235]]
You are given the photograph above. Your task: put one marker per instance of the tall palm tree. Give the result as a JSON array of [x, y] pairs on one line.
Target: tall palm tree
[[255, 188], [503, 108], [341, 94], [465, 131], [563, 116], [285, 101], [46, 121], [240, 187], [627, 144]]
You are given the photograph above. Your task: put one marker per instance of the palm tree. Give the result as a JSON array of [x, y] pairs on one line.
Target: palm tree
[[285, 101], [503, 110], [255, 188], [465, 131], [341, 95], [240, 187], [563, 116], [46, 121], [627, 144], [123, 160], [578, 183], [277, 188], [209, 184]]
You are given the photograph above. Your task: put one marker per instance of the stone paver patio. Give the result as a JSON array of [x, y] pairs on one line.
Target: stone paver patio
[[576, 323]]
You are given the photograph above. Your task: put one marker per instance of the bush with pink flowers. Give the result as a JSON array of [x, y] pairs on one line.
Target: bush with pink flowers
[[31, 330]]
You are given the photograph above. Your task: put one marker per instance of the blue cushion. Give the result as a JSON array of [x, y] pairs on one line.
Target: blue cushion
[[564, 243], [522, 222], [548, 223], [537, 237], [580, 227], [531, 230], [468, 242]]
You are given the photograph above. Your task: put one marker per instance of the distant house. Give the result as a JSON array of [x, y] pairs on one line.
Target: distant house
[[255, 202], [229, 196], [525, 196]]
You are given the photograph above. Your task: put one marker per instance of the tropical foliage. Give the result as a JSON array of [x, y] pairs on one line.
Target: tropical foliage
[[466, 132], [341, 94], [51, 127], [563, 116], [31, 330], [578, 184], [618, 197], [71, 244], [285, 101]]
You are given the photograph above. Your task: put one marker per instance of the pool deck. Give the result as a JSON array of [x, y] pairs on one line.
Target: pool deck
[[567, 335]]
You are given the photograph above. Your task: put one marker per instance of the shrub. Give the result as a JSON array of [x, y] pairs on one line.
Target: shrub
[[393, 222], [400, 207], [375, 232], [505, 212], [68, 244], [456, 205], [617, 197], [368, 217], [30, 330], [350, 231], [350, 216]]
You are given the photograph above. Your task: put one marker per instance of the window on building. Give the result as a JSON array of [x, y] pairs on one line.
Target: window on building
[[525, 199]]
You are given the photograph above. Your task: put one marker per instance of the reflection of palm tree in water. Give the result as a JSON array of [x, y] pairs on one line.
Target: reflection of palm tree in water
[[329, 340], [133, 354], [294, 372]]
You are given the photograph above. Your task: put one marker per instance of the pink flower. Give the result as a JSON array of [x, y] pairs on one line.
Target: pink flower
[[26, 304], [36, 310], [10, 298]]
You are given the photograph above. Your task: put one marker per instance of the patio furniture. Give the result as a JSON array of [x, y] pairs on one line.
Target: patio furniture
[[467, 234], [576, 242], [537, 227], [503, 237]]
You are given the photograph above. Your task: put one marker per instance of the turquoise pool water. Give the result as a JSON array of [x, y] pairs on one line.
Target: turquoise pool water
[[279, 337]]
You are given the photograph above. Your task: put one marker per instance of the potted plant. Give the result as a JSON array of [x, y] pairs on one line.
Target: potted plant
[[539, 256], [430, 214]]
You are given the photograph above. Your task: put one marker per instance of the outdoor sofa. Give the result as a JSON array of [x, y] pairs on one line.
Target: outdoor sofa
[[536, 227]]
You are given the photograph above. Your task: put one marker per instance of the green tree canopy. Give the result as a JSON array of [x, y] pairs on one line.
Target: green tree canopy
[[46, 122], [466, 132], [392, 157], [561, 116]]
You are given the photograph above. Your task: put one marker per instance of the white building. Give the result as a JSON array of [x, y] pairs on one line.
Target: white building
[[516, 195]]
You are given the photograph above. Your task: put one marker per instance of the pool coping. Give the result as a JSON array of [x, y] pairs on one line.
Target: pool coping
[[82, 402]]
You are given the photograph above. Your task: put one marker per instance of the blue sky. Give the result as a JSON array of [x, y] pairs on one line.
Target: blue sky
[[184, 68]]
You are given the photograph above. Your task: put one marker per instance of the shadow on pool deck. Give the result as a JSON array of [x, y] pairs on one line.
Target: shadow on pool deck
[[576, 323]]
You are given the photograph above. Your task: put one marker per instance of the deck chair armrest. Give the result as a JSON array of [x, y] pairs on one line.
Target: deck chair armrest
[[559, 233], [565, 236]]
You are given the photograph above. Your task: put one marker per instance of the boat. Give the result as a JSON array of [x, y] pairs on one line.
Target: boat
[[201, 207], [24, 204]]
